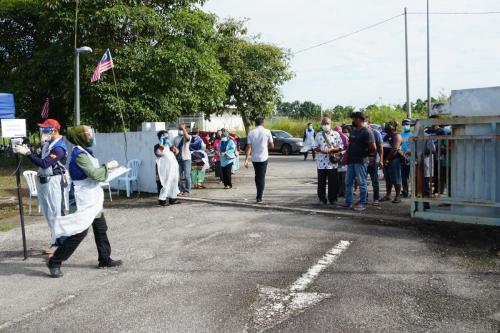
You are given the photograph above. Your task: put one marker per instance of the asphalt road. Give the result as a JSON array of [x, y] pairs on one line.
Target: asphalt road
[[208, 268]]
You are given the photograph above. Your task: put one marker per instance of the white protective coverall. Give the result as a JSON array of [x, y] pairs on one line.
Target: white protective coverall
[[168, 173]]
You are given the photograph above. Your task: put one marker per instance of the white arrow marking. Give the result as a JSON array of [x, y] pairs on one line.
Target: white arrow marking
[[277, 305]]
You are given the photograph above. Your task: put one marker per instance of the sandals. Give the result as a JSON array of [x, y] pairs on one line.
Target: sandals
[[396, 200]]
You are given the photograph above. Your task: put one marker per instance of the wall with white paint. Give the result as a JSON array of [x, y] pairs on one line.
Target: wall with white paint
[[111, 146], [475, 102]]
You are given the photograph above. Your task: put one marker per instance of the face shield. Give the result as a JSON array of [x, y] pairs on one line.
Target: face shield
[[45, 134], [90, 137]]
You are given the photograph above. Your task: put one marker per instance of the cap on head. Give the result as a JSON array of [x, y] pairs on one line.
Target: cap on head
[[50, 123], [406, 121]]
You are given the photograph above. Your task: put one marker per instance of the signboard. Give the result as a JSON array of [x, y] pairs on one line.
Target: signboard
[[13, 128], [7, 107]]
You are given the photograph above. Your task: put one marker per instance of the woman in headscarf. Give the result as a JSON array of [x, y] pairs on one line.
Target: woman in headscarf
[[167, 170], [228, 155], [199, 160], [86, 207], [216, 158], [342, 168]]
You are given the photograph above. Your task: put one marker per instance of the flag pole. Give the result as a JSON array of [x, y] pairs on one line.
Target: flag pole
[[121, 113]]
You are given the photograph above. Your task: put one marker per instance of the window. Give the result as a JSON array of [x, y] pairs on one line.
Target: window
[[282, 134]]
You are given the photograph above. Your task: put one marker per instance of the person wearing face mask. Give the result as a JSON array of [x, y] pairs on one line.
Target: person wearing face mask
[[392, 161], [328, 145], [308, 138], [87, 207], [51, 179], [228, 155], [167, 170], [406, 135], [216, 158], [199, 161]]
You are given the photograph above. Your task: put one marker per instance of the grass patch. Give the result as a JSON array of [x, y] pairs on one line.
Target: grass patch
[[5, 227]]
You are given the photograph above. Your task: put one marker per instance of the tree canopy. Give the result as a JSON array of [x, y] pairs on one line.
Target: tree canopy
[[170, 57], [299, 110]]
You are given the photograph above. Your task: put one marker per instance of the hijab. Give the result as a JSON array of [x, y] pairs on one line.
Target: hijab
[[76, 135]]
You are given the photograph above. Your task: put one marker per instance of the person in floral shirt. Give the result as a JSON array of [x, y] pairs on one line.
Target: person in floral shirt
[[327, 143]]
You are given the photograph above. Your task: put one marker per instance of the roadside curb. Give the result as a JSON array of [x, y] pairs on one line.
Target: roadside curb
[[336, 213]]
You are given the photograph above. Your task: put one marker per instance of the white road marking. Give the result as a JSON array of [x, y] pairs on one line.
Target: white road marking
[[305, 280], [277, 305]]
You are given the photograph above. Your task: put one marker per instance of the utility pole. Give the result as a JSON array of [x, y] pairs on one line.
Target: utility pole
[[429, 103], [408, 106]]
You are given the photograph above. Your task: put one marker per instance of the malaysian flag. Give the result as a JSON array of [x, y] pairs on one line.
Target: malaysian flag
[[45, 109], [105, 64]]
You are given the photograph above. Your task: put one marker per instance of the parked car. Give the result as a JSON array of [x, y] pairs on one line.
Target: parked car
[[285, 143]]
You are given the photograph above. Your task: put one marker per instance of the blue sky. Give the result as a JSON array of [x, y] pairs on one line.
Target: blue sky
[[370, 67]]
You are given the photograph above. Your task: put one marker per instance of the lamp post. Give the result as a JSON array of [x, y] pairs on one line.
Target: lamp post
[[429, 102], [83, 49]]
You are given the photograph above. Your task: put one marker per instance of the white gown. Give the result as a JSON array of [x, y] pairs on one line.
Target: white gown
[[168, 172], [89, 198]]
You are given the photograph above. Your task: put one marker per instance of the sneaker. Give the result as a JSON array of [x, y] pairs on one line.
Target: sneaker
[[55, 272], [173, 201], [345, 206], [111, 263], [162, 203], [376, 203], [359, 208]]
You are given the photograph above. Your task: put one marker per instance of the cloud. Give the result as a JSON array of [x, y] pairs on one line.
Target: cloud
[[368, 66]]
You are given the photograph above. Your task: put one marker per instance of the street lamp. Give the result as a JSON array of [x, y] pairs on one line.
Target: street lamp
[[83, 49]]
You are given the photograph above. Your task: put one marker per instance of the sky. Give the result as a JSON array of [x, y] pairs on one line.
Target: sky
[[369, 67]]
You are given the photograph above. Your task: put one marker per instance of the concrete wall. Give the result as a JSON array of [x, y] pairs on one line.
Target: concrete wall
[[111, 146]]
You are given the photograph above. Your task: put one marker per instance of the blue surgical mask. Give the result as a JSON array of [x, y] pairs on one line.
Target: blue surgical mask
[[447, 130], [406, 128]]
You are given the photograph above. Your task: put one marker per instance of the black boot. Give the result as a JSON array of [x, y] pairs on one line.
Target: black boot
[[55, 272]]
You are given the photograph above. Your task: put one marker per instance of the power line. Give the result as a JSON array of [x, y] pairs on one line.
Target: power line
[[455, 13], [388, 20], [348, 34]]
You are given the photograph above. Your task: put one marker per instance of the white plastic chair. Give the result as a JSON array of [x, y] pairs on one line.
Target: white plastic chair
[[30, 177], [106, 185], [131, 176]]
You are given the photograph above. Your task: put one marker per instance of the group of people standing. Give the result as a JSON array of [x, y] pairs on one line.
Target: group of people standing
[[346, 155], [182, 162]]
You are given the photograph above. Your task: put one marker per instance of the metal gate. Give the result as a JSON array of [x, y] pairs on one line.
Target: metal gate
[[455, 176]]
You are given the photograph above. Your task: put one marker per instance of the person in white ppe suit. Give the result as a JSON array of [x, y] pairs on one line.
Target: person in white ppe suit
[[167, 170], [51, 179], [87, 208]]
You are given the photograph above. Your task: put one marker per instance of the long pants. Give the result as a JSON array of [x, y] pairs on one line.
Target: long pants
[[358, 170], [218, 170], [185, 169], [341, 187], [260, 177], [331, 176], [373, 172], [197, 176], [307, 153], [226, 174], [405, 175], [70, 244]]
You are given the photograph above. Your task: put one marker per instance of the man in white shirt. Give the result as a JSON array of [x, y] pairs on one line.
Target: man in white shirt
[[326, 143], [259, 141]]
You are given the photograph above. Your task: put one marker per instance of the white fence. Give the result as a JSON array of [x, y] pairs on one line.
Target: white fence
[[111, 146]]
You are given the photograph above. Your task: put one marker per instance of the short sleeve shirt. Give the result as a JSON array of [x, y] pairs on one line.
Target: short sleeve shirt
[[260, 138], [359, 142], [334, 140]]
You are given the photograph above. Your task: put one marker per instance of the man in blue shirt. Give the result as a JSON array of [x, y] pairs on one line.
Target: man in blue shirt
[[406, 134], [51, 169], [374, 163]]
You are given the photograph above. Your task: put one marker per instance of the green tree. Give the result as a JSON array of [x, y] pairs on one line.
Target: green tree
[[256, 71], [165, 55]]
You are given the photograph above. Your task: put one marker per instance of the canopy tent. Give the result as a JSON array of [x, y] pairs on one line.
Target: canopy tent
[[7, 108]]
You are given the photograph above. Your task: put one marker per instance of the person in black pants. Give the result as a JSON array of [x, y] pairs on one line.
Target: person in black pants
[[71, 243], [326, 143], [260, 178], [226, 176], [259, 141]]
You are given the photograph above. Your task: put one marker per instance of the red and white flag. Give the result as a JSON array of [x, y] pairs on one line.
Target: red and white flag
[[105, 64], [45, 109]]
